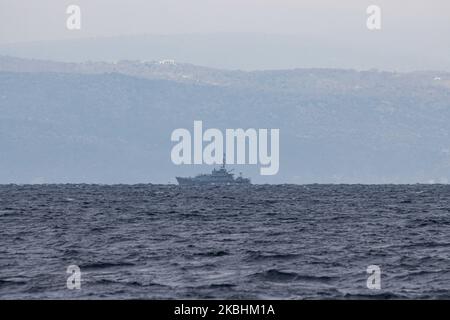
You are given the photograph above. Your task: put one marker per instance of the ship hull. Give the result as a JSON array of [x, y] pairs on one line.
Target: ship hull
[[195, 182]]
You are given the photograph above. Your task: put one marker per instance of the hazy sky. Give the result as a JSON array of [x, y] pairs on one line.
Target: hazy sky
[[25, 20], [234, 34]]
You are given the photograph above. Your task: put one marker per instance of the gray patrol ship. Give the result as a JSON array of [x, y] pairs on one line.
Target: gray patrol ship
[[217, 177]]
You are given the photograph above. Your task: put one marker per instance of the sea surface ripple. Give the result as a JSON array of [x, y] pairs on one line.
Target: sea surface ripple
[[234, 242]]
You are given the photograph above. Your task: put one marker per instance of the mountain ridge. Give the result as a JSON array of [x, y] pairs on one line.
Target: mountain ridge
[[115, 128]]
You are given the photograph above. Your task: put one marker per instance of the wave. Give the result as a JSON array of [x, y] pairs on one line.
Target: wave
[[7, 283], [218, 253], [105, 265], [258, 256], [283, 276]]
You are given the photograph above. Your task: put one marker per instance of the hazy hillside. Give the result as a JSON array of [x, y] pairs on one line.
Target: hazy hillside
[[111, 123], [390, 49]]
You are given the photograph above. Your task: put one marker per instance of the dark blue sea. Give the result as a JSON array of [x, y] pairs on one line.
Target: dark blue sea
[[235, 242]]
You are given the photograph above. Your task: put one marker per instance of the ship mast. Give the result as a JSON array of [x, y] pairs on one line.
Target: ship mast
[[223, 161]]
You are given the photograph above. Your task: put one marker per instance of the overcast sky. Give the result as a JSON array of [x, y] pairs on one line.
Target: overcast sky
[[25, 20], [234, 34]]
